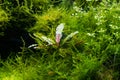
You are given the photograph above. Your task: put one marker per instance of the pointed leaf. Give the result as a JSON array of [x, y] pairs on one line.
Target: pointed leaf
[[44, 38], [70, 36], [59, 30]]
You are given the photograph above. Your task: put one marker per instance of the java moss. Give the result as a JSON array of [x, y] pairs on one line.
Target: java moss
[[92, 54], [14, 31], [21, 18], [3, 20]]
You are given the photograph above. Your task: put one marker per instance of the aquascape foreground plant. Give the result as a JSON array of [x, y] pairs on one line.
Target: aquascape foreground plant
[[43, 40]]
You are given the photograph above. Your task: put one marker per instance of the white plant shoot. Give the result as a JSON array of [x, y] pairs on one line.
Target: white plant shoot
[[59, 30]]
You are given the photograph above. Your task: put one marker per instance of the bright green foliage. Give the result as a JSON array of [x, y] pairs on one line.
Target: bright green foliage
[[3, 16], [3, 20], [91, 54]]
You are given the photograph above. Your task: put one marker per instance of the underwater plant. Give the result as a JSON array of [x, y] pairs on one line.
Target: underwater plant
[[50, 41]]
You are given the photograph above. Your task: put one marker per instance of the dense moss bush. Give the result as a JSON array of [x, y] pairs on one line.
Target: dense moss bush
[[15, 23]]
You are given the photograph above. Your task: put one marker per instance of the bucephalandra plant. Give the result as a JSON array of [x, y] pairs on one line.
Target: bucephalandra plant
[[50, 41]]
